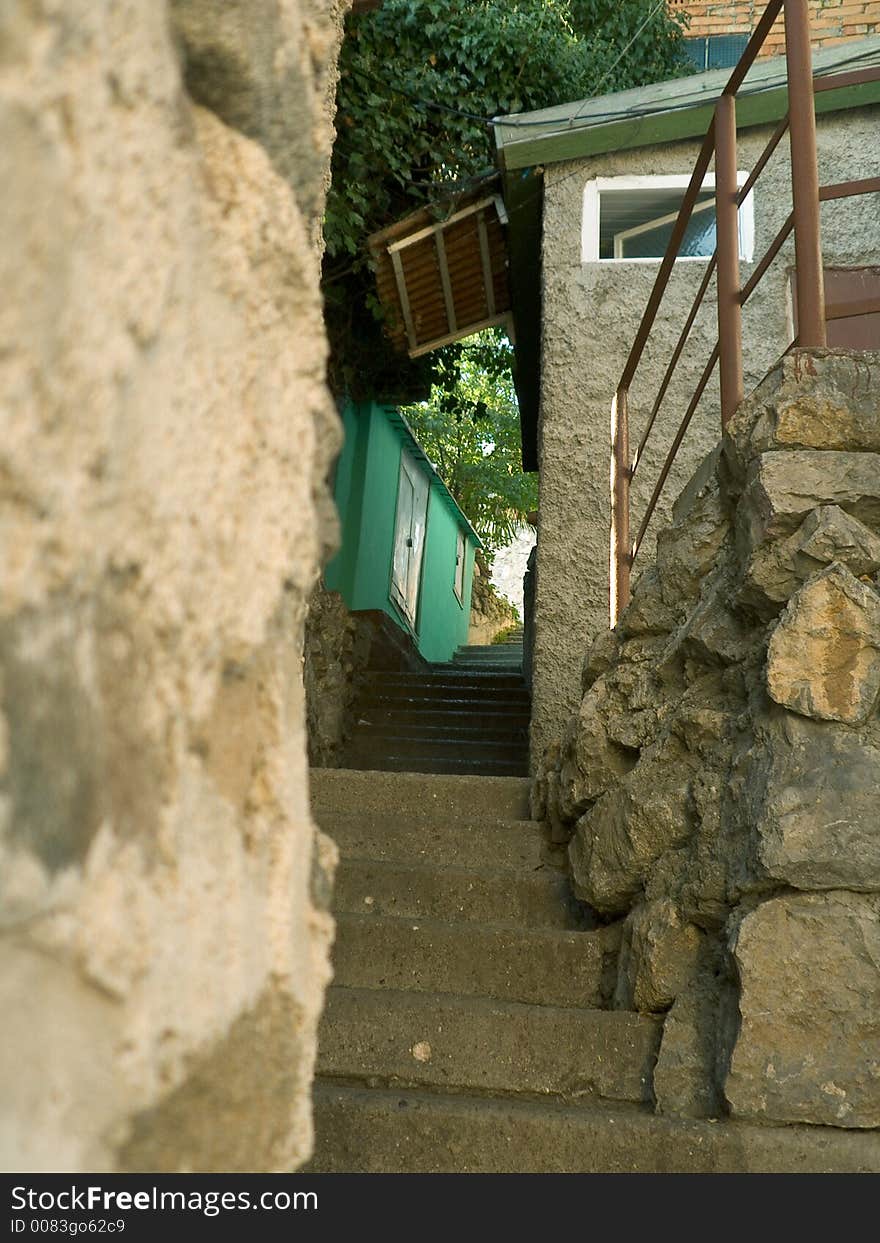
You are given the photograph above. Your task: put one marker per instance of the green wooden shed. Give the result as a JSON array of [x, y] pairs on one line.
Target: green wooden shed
[[407, 548]]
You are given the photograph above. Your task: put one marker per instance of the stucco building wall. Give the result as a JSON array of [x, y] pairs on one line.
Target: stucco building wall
[[163, 513], [590, 315], [831, 21]]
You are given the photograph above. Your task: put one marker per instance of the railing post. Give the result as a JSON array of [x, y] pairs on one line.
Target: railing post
[[804, 176], [621, 547], [727, 219]]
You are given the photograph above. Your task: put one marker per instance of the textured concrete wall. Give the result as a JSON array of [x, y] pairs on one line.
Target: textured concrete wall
[[831, 21], [162, 518], [590, 317]]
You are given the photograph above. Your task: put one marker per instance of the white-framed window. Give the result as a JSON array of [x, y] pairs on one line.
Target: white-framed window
[[630, 219], [458, 581]]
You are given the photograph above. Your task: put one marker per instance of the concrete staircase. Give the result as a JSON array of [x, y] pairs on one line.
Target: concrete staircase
[[467, 988], [464, 1030], [467, 716]]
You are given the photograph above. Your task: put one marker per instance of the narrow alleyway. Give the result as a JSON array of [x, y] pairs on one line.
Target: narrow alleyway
[[464, 1022], [468, 716]]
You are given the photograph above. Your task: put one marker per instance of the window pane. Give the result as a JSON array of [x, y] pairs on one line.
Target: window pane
[[695, 50], [622, 210], [699, 239], [725, 50]]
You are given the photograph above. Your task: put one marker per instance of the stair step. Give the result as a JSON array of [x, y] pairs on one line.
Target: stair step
[[450, 721], [448, 841], [405, 796], [463, 701], [533, 898], [498, 652], [372, 1131], [439, 766], [538, 967], [476, 1044], [448, 671], [438, 728], [481, 649], [368, 742], [477, 664], [504, 667], [437, 684]]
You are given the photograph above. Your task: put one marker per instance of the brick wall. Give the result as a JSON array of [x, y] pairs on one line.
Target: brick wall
[[833, 21]]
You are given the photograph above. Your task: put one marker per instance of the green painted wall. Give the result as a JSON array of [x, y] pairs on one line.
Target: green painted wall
[[350, 474], [443, 622], [382, 471], [366, 497]]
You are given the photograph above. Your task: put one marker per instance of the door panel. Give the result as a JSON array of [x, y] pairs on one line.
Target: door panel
[[402, 532], [852, 307], [409, 537], [417, 549]]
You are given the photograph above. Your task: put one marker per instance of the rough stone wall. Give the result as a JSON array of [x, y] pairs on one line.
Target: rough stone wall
[[719, 782], [591, 314], [509, 566], [166, 434], [831, 21], [490, 611], [336, 653]]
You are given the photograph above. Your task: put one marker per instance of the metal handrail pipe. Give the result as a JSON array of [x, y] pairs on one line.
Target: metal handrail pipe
[[804, 175], [620, 558], [678, 229], [676, 355], [753, 47], [728, 286], [762, 160], [772, 251], [676, 444], [846, 189]]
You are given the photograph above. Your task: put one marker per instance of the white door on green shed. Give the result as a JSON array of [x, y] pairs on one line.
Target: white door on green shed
[[409, 537]]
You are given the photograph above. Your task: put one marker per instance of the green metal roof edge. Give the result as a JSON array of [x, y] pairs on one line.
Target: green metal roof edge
[[525, 145], [398, 421], [523, 179]]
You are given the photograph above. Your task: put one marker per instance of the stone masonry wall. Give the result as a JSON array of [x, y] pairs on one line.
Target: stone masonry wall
[[591, 312], [831, 21], [490, 611], [166, 435], [336, 654], [719, 782]]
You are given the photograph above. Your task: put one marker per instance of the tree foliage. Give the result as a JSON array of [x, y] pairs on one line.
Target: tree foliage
[[419, 82], [469, 428]]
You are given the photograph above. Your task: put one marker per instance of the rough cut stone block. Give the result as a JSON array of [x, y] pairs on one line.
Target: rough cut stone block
[[818, 825], [685, 1082], [658, 957], [648, 613], [809, 1044], [712, 634], [688, 549], [827, 534], [600, 658], [824, 656], [630, 827], [812, 399], [781, 489], [591, 762]]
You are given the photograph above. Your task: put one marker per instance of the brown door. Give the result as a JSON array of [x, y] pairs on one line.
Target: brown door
[[852, 308]]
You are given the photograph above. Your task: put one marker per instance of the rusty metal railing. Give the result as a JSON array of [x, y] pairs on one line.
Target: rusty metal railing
[[721, 141]]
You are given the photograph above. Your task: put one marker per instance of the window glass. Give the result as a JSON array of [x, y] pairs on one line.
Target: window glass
[[621, 212], [632, 218], [649, 241], [715, 51]]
